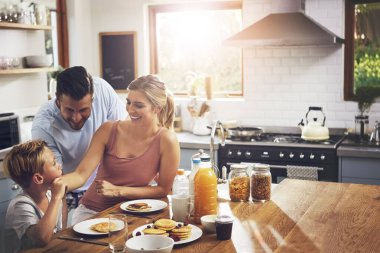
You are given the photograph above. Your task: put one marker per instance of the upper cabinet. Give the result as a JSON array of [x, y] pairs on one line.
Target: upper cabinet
[[17, 70]]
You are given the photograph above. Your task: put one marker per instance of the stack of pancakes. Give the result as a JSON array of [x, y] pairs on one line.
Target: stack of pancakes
[[182, 233], [170, 228]]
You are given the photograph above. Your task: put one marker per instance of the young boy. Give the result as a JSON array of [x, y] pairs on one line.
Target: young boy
[[34, 215]]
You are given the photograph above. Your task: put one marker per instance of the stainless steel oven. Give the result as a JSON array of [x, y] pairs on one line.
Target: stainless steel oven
[[284, 152], [9, 130]]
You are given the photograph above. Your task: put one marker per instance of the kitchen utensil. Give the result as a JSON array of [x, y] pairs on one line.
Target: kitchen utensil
[[81, 239], [375, 135], [208, 88], [204, 108], [314, 131], [361, 125], [244, 132]]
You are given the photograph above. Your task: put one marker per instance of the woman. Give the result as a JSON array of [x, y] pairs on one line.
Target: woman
[[130, 153]]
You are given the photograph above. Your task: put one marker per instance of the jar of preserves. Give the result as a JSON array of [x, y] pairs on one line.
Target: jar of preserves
[[238, 181], [261, 180]]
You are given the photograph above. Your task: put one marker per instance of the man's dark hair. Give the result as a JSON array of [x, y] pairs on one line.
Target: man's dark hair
[[75, 82]]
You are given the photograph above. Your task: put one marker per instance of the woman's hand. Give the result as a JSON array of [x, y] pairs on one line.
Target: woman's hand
[[106, 189]]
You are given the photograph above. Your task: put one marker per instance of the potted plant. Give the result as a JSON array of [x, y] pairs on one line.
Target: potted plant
[[53, 81], [366, 96]]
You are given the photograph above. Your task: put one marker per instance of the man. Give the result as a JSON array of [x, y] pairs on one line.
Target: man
[[68, 121]]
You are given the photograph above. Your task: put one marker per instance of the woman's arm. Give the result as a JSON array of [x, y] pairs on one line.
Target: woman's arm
[[91, 159], [169, 162]]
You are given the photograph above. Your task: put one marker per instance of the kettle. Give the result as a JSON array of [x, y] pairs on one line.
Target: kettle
[[314, 130]]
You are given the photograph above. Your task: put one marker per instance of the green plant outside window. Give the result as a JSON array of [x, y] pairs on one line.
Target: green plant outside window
[[367, 55]]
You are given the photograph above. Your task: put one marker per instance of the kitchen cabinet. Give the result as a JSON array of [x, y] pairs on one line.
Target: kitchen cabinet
[[4, 25], [360, 170], [190, 145], [8, 190], [359, 162]]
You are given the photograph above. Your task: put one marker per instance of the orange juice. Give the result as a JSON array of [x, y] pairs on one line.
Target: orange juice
[[205, 192]]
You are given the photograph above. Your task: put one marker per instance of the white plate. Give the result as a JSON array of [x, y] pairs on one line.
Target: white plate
[[84, 227], [196, 233], [154, 203]]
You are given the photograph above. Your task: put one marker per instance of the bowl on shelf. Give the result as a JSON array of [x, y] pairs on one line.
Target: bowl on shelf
[[39, 61], [150, 244]]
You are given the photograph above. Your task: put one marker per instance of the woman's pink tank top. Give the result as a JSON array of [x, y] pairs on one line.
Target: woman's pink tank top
[[137, 171]]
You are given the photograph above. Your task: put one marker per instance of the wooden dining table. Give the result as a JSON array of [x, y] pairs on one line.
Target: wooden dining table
[[302, 216]]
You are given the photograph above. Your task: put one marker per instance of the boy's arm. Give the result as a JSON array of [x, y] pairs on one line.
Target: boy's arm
[[42, 232], [64, 212]]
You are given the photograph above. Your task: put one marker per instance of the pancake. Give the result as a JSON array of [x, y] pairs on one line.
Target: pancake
[[154, 231], [165, 224], [140, 206], [103, 227]]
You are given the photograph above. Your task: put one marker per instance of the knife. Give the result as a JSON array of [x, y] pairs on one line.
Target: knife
[[64, 237]]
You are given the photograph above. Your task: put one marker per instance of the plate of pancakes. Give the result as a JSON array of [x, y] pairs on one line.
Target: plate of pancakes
[[180, 232], [97, 226], [143, 205]]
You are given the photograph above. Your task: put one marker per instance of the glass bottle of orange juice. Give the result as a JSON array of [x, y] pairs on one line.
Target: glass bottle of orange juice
[[205, 190]]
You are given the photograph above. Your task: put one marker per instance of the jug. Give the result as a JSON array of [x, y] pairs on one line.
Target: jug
[[361, 126]]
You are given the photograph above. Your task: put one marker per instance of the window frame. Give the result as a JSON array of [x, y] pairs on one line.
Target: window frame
[[349, 48], [153, 10]]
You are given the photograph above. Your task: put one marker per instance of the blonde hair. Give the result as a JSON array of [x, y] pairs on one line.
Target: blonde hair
[[158, 96], [24, 160]]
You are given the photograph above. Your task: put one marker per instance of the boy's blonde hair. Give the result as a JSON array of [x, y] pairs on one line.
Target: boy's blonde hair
[[24, 160]]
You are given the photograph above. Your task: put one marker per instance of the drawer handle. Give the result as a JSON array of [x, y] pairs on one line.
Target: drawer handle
[[15, 187]]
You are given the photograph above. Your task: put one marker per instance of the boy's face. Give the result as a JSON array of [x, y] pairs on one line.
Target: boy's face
[[52, 169]]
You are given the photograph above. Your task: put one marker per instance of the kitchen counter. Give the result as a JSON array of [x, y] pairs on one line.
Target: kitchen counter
[[302, 216], [192, 141], [351, 147]]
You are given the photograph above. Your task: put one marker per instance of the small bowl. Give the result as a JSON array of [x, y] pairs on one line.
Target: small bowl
[[150, 244], [208, 223], [39, 61]]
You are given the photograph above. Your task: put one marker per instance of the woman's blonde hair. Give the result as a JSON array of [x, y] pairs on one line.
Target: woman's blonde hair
[[24, 160], [158, 96]]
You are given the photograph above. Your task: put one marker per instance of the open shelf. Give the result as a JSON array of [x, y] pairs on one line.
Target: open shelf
[[6, 25], [26, 70]]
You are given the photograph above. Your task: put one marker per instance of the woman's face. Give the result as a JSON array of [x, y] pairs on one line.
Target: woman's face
[[139, 108], [52, 169]]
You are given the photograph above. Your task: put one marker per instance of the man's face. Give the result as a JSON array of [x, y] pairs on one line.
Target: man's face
[[75, 112]]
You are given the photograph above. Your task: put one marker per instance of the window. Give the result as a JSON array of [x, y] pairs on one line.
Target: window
[[362, 48], [186, 47]]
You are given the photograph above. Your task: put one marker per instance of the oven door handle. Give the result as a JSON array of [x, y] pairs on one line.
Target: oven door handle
[[285, 167]]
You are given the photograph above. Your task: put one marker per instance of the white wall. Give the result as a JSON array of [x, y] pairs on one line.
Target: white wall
[[22, 93], [279, 83]]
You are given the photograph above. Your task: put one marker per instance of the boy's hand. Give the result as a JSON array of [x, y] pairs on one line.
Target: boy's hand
[[58, 188]]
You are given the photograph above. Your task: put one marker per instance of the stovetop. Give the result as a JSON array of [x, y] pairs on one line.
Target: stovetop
[[288, 138]]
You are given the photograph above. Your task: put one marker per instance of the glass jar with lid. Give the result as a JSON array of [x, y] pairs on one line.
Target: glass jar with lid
[[238, 181], [261, 180]]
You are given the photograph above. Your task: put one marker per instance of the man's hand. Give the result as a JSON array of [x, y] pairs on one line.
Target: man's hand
[[106, 189]]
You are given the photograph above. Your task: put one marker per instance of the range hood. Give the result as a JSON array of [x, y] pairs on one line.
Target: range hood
[[287, 25]]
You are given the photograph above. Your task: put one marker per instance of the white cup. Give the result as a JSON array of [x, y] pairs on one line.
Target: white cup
[[117, 238], [181, 207]]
